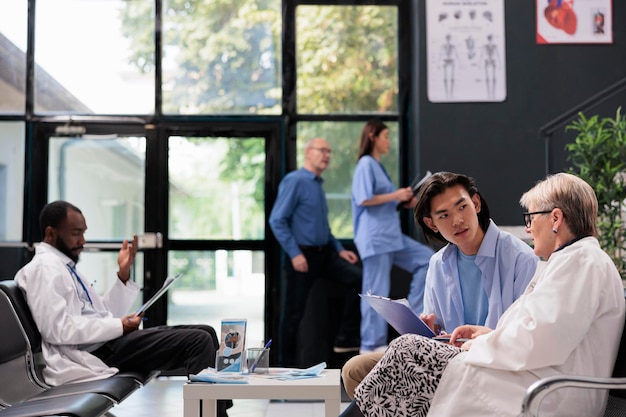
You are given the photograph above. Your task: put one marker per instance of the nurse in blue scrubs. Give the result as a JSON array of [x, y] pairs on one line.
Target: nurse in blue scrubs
[[378, 236]]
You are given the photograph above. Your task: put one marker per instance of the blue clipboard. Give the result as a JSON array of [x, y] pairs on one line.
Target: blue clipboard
[[398, 314]]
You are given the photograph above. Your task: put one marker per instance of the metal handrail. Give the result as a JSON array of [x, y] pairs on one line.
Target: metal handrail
[[546, 131], [540, 389]]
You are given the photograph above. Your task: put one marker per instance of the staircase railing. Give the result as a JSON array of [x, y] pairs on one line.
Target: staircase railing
[[547, 130]]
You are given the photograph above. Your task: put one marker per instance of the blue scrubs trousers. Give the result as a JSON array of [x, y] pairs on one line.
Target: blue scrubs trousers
[[413, 258]]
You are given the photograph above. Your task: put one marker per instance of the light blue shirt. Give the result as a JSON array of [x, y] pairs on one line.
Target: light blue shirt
[[376, 228], [473, 294], [300, 214], [507, 265]]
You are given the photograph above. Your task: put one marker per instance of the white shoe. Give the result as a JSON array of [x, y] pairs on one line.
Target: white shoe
[[376, 349]]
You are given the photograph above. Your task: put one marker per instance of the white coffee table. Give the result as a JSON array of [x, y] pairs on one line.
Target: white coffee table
[[200, 399]]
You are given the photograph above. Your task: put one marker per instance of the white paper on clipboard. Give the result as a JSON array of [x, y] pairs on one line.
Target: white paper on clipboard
[[166, 285]]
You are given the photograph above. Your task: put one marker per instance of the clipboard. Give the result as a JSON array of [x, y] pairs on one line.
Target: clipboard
[[417, 182], [415, 186], [399, 314], [166, 285]]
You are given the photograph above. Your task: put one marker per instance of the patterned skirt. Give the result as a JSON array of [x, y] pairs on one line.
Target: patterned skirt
[[404, 381]]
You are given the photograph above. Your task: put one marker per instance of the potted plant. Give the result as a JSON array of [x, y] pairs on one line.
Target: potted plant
[[598, 156]]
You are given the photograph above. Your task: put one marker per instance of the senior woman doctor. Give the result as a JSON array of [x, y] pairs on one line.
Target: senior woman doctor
[[568, 321]]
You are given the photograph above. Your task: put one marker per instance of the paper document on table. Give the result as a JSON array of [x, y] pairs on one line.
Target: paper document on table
[[398, 314], [166, 285], [288, 374], [212, 376]]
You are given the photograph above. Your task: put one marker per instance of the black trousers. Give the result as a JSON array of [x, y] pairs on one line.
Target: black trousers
[[164, 348], [324, 263]]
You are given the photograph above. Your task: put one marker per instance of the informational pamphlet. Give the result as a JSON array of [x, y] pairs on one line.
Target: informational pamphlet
[[230, 355]]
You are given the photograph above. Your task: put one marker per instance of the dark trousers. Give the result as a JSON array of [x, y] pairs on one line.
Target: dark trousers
[[323, 264], [164, 348]]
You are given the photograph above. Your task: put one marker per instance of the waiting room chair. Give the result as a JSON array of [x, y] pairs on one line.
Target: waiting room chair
[[18, 380], [34, 338], [20, 396], [616, 406]]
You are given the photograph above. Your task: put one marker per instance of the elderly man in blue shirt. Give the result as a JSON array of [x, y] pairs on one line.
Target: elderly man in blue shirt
[[299, 220]]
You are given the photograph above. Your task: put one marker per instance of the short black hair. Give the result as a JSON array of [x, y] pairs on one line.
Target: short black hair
[[53, 214], [437, 184]]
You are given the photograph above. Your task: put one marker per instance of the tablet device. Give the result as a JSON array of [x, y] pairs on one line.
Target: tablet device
[[398, 314], [166, 285], [446, 338]]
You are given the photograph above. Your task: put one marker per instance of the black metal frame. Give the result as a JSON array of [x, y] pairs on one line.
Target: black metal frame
[[547, 130], [280, 132]]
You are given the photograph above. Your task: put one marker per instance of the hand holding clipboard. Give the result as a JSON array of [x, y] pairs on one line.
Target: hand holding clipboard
[[166, 285], [415, 186]]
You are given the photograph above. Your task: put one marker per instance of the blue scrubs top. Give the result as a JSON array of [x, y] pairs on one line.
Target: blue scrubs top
[[507, 264], [376, 228]]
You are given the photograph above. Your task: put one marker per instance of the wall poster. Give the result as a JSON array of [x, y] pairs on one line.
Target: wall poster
[[569, 21], [465, 49]]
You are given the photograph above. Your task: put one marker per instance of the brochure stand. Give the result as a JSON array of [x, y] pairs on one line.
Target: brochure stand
[[230, 355]]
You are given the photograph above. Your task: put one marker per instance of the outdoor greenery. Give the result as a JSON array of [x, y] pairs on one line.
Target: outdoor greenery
[[598, 155], [346, 59], [224, 57], [344, 139], [210, 203]]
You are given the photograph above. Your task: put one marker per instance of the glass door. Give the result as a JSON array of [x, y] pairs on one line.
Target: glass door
[[198, 195], [216, 230], [104, 176]]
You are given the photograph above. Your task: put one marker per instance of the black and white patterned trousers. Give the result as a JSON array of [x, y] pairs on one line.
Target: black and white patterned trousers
[[403, 382]]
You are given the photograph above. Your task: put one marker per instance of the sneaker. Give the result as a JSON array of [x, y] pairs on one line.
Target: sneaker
[[346, 345]]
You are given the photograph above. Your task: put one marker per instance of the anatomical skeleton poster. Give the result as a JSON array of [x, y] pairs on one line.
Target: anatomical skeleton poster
[[465, 48]]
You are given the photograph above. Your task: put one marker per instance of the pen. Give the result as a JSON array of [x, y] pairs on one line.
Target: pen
[[258, 359]]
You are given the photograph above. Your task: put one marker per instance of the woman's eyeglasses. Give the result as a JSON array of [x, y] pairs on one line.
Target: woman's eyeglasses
[[528, 220]]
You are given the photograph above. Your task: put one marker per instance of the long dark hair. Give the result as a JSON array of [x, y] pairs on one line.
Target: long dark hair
[[438, 184], [370, 131]]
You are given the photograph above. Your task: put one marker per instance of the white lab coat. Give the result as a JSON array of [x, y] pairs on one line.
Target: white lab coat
[[67, 321], [569, 321]]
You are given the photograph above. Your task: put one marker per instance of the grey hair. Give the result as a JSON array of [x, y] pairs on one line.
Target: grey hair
[[309, 143], [572, 195]]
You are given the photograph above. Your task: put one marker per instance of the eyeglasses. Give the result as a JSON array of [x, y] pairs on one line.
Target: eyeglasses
[[324, 151], [528, 220]]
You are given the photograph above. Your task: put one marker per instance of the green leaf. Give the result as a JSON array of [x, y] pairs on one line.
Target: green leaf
[[598, 155]]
